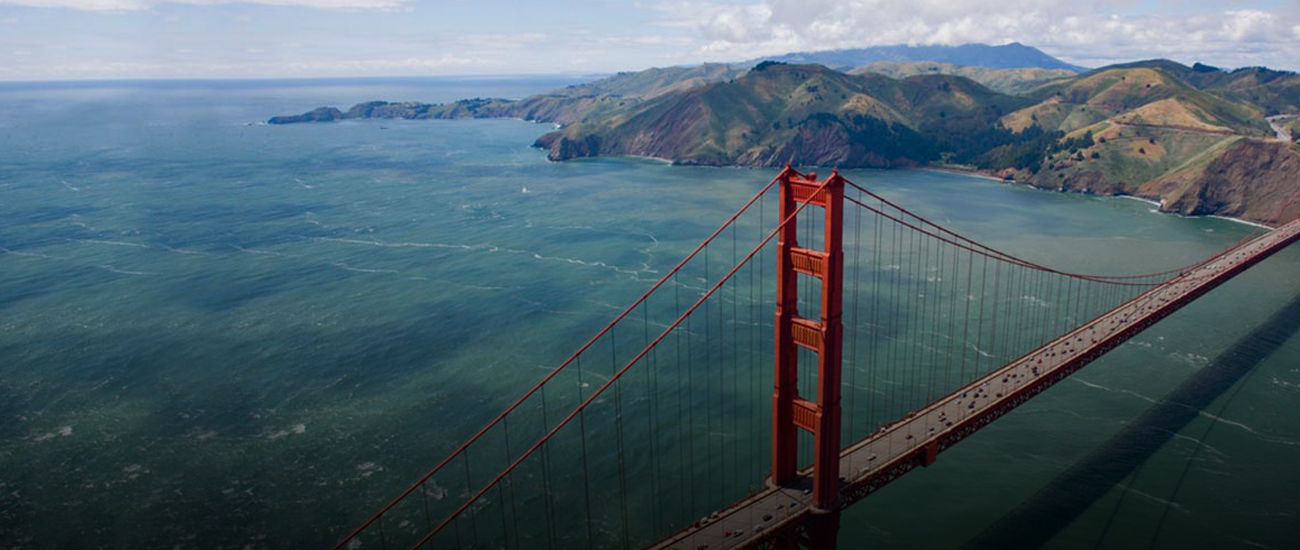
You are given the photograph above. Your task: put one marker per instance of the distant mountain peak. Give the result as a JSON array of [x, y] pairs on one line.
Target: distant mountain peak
[[1007, 56]]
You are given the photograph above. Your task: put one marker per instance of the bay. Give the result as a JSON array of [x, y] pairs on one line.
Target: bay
[[216, 333]]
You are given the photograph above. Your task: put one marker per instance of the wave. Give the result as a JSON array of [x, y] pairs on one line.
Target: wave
[[110, 243], [30, 254], [186, 252], [404, 244], [1167, 503], [127, 271], [1035, 301], [1112, 390], [263, 252], [980, 351], [1285, 384], [461, 285], [486, 248], [347, 267]]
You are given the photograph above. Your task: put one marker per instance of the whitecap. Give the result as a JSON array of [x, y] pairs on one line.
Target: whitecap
[[110, 243], [347, 267], [1112, 390], [1033, 300], [980, 351], [127, 271]]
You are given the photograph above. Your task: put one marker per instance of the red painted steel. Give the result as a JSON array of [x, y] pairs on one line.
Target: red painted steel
[[822, 416], [785, 444], [1130, 319], [807, 333], [798, 522], [785, 222], [810, 262]]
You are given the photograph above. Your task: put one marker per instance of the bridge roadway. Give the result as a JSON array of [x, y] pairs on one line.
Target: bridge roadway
[[917, 439]]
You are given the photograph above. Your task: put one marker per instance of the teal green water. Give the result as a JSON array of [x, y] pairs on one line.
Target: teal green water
[[220, 334]]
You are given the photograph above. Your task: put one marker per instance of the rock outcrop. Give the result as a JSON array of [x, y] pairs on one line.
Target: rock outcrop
[[1256, 180], [321, 114]]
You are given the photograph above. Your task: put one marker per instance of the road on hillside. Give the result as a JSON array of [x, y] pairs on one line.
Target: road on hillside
[[1282, 133]]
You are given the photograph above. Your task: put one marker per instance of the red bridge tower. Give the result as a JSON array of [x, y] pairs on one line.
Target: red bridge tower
[[824, 336]]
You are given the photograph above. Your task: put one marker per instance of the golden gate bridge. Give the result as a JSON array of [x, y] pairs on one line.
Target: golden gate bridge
[[803, 356]]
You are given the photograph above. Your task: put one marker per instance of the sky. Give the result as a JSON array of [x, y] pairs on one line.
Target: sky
[[122, 39]]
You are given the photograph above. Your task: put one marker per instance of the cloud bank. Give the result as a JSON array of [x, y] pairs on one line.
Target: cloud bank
[[286, 38], [1230, 32], [138, 5]]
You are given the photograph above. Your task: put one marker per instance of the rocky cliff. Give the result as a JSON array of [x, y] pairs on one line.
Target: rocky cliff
[[1252, 179]]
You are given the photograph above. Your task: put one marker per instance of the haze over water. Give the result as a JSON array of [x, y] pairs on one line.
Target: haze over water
[[220, 334]]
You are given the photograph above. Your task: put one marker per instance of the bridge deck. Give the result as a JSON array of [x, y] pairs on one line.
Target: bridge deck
[[917, 439]]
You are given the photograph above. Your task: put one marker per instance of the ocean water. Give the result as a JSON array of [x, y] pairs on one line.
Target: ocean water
[[216, 333]]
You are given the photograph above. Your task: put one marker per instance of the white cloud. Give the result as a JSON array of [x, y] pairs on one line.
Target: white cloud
[[88, 5], [136, 5], [1094, 32], [312, 41], [1248, 25], [209, 68]]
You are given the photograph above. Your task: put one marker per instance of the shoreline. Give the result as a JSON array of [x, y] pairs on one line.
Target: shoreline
[[660, 159], [1159, 205], [1238, 220], [970, 173], [1152, 202]]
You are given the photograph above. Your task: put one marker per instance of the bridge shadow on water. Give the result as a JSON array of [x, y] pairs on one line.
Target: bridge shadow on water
[[1037, 520]]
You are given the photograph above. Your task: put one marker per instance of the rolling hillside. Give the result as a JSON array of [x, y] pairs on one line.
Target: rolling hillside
[[1007, 81], [801, 114], [1195, 138], [1074, 103], [1140, 129], [652, 83]]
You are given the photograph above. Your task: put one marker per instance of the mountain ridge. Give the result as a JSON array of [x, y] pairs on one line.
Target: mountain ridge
[[1194, 138], [801, 114], [1007, 56]]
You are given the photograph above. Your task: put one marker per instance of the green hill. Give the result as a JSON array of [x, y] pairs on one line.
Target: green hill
[[1195, 137], [805, 114], [1274, 92], [1139, 123], [1007, 81], [1130, 93], [655, 82]]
